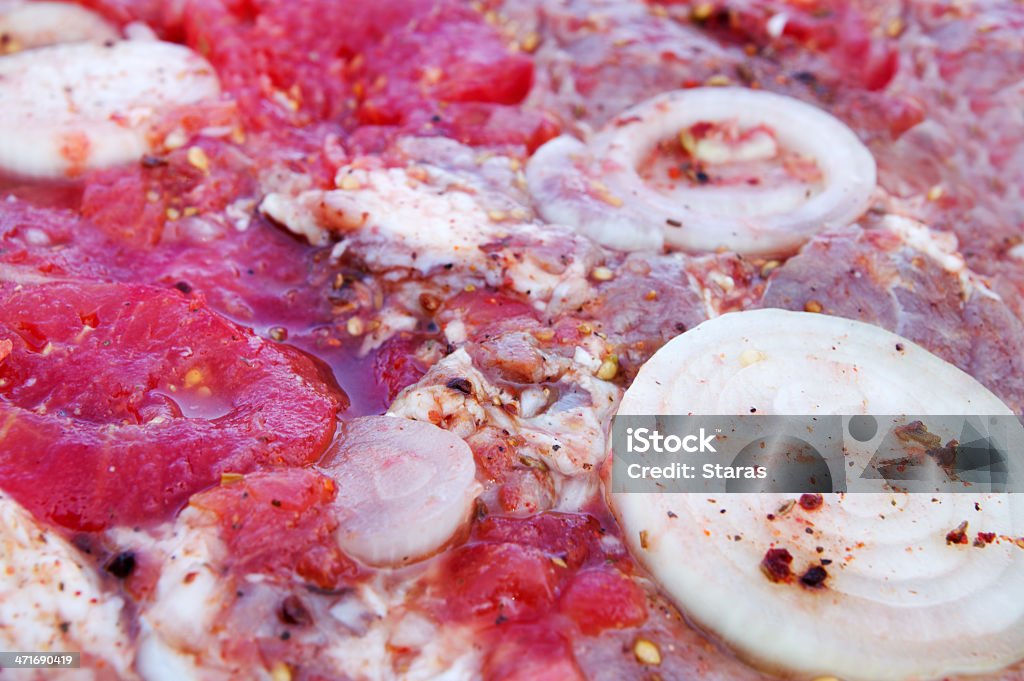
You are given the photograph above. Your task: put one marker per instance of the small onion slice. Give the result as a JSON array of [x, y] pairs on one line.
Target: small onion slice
[[598, 188], [558, 178], [899, 602], [69, 108], [405, 488]]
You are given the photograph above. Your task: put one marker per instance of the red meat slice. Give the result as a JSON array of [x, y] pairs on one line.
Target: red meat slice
[[487, 313], [118, 402], [533, 652], [280, 523], [394, 60], [574, 538], [497, 583], [395, 364], [39, 243], [603, 599]]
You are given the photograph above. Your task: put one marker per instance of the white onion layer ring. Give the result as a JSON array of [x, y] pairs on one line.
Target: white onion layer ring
[[70, 108], [405, 488], [900, 603], [761, 221], [559, 182]]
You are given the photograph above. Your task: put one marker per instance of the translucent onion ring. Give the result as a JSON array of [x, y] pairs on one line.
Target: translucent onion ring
[[899, 602], [405, 488], [758, 221]]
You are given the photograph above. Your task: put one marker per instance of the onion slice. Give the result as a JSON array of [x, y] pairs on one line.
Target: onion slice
[[558, 178], [899, 601], [405, 488], [598, 189], [69, 108]]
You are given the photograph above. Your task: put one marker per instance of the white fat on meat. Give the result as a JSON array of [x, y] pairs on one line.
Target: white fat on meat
[[195, 611], [942, 247], [432, 220], [74, 107], [899, 601], [399, 221], [598, 188], [25, 25], [444, 653], [568, 435], [191, 613], [52, 600], [176, 620], [405, 488]]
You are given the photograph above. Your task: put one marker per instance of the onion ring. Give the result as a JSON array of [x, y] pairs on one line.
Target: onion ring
[[900, 600], [597, 187]]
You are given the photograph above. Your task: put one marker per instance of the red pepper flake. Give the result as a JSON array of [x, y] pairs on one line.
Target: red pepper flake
[[916, 431], [429, 302], [984, 538], [626, 120], [959, 535], [701, 130], [776, 565], [811, 502], [815, 577]]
